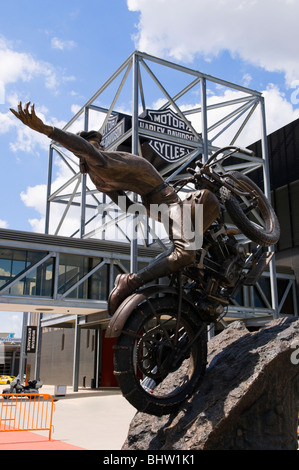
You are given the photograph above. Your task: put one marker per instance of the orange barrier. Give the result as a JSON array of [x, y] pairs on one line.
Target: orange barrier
[[26, 412]]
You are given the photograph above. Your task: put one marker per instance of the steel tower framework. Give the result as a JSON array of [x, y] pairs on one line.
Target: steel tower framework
[[217, 112]]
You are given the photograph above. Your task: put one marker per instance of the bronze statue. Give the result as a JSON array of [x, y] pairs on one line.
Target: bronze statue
[[113, 173]]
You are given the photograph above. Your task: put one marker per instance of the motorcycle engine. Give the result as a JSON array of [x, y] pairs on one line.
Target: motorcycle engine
[[221, 257], [232, 268]]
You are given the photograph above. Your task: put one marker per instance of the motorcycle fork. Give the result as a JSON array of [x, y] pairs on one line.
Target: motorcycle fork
[[182, 352], [179, 311]]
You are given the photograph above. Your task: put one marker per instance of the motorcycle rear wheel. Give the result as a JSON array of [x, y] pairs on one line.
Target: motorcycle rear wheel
[[254, 216], [149, 376]]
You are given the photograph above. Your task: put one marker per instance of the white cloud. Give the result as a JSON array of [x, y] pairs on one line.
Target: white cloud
[[16, 66], [3, 224], [57, 43], [7, 122], [246, 80], [35, 196], [11, 322], [2, 93], [279, 111], [26, 140], [262, 33], [21, 66]]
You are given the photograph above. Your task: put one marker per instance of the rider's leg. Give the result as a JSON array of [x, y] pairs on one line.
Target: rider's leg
[[161, 266], [165, 264]]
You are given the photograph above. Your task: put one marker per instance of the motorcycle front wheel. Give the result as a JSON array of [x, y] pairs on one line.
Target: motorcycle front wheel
[[252, 213], [155, 368]]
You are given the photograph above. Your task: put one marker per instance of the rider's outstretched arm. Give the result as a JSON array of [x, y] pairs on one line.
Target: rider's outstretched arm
[[76, 144], [72, 142], [30, 119]]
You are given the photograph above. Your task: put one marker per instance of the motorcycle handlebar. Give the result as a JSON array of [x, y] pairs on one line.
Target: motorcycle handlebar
[[232, 149], [248, 152]]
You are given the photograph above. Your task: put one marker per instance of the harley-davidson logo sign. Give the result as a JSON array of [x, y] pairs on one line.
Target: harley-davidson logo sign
[[168, 125]]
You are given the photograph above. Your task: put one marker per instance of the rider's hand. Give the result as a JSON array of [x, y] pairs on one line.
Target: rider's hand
[[30, 119]]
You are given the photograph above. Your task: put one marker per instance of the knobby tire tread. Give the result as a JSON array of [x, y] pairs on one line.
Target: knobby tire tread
[[266, 237], [124, 361]]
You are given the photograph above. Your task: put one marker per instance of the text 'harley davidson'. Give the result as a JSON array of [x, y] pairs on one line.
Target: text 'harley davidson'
[[161, 349]]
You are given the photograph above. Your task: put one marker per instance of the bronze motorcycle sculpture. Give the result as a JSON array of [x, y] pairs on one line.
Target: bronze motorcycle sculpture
[[161, 350]]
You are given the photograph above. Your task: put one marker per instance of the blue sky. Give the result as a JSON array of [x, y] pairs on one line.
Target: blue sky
[[58, 54]]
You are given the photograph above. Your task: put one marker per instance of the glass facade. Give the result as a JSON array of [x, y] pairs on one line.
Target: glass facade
[[73, 268], [39, 281]]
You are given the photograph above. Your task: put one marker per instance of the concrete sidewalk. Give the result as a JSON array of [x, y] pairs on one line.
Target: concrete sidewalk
[[88, 419]]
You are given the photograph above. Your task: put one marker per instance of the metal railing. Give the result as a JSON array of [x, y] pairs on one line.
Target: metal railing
[[26, 412]]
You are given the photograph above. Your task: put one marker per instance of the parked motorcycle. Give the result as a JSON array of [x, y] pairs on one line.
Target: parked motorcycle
[[16, 387], [161, 350]]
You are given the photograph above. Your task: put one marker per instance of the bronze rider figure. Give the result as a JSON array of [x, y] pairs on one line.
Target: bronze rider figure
[[115, 172]]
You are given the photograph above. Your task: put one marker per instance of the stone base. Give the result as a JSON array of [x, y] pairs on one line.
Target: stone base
[[248, 400]]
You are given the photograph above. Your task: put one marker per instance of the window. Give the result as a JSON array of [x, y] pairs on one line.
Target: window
[[38, 281], [72, 268]]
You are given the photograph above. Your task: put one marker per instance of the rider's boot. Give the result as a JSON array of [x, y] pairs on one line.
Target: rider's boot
[[125, 284]]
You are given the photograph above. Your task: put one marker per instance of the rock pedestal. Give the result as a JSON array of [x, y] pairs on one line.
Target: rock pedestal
[[248, 400]]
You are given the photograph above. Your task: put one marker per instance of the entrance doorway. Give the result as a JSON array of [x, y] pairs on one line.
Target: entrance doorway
[[108, 379]]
